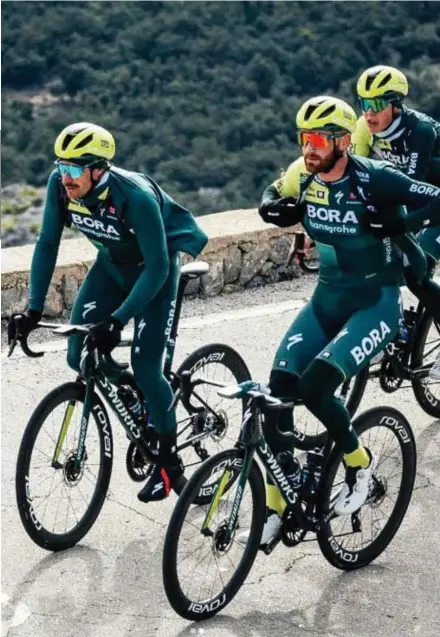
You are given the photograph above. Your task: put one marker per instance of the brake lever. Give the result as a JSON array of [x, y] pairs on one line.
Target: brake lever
[[12, 345]]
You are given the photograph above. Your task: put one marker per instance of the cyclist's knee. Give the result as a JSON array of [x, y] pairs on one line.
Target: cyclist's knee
[[319, 382], [74, 353], [283, 384], [147, 374]]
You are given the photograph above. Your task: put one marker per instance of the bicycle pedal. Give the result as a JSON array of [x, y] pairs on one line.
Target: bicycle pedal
[[269, 546]]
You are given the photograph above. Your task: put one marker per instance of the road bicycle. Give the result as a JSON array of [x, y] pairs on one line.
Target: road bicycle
[[66, 454], [205, 562]]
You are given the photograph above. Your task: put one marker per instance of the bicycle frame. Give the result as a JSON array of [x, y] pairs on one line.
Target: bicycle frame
[[93, 377], [253, 442], [402, 367]]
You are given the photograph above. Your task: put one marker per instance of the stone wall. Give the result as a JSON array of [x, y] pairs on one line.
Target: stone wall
[[242, 252]]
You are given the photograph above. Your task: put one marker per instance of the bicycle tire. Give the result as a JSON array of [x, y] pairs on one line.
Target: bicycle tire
[[182, 605], [32, 525], [214, 353], [337, 555], [426, 400], [306, 442], [211, 353]]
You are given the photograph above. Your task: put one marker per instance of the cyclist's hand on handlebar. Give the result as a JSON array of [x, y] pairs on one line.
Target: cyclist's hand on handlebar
[[383, 226], [105, 336], [21, 324], [278, 211]]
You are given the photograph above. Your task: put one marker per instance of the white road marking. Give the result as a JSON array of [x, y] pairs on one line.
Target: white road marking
[[192, 323], [198, 322]]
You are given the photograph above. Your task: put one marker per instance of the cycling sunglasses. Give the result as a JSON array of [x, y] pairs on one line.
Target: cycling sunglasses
[[74, 172], [376, 104], [317, 140]]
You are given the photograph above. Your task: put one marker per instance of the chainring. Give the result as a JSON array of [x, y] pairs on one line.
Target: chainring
[[138, 467], [388, 380]]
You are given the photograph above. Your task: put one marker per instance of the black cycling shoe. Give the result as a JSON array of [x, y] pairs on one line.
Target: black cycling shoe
[[161, 481], [167, 474]]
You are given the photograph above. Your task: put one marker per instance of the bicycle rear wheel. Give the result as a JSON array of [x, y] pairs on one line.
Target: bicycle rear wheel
[[201, 572], [217, 417], [58, 503], [352, 541], [425, 351]]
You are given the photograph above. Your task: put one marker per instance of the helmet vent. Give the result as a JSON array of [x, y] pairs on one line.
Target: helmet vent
[[67, 140], [385, 80], [85, 141], [328, 111], [370, 79]]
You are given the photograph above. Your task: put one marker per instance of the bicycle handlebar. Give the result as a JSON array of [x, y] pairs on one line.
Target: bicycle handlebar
[[62, 330]]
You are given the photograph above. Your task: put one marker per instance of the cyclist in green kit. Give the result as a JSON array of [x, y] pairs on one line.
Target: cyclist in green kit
[[410, 140], [356, 306], [139, 232]]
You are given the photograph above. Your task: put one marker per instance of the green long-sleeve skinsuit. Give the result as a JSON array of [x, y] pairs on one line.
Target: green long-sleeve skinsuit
[[139, 232]]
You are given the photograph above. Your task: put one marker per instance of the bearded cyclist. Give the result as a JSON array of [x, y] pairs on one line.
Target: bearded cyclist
[[139, 232], [410, 140], [355, 309]]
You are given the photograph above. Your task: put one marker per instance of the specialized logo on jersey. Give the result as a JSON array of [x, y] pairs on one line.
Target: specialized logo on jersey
[[317, 193], [293, 340], [141, 327], [370, 343], [88, 307]]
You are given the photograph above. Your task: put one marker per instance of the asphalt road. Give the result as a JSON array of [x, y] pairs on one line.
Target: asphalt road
[[111, 583]]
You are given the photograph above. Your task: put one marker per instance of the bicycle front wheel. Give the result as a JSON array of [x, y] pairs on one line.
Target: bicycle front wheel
[[202, 570], [59, 501]]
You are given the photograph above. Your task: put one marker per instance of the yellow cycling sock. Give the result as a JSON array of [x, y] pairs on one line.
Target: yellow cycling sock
[[357, 458], [274, 499]]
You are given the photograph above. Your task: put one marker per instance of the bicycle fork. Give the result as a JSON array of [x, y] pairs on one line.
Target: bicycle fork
[[231, 524], [80, 451]]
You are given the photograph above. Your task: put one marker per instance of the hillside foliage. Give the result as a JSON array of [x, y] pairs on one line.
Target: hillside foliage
[[201, 95]]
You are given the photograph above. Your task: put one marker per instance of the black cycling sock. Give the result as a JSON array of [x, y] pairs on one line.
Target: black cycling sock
[[317, 387]]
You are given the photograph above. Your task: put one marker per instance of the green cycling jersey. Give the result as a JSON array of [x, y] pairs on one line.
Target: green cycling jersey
[[411, 144], [131, 221], [333, 214]]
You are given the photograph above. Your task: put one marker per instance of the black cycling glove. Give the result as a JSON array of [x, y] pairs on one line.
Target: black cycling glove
[[22, 323], [279, 211], [106, 335], [383, 226]]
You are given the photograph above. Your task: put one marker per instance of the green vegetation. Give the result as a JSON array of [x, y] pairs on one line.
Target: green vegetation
[[201, 95]]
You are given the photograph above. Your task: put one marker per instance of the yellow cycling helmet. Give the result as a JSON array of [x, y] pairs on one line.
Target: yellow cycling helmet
[[382, 81], [84, 142], [326, 112]]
